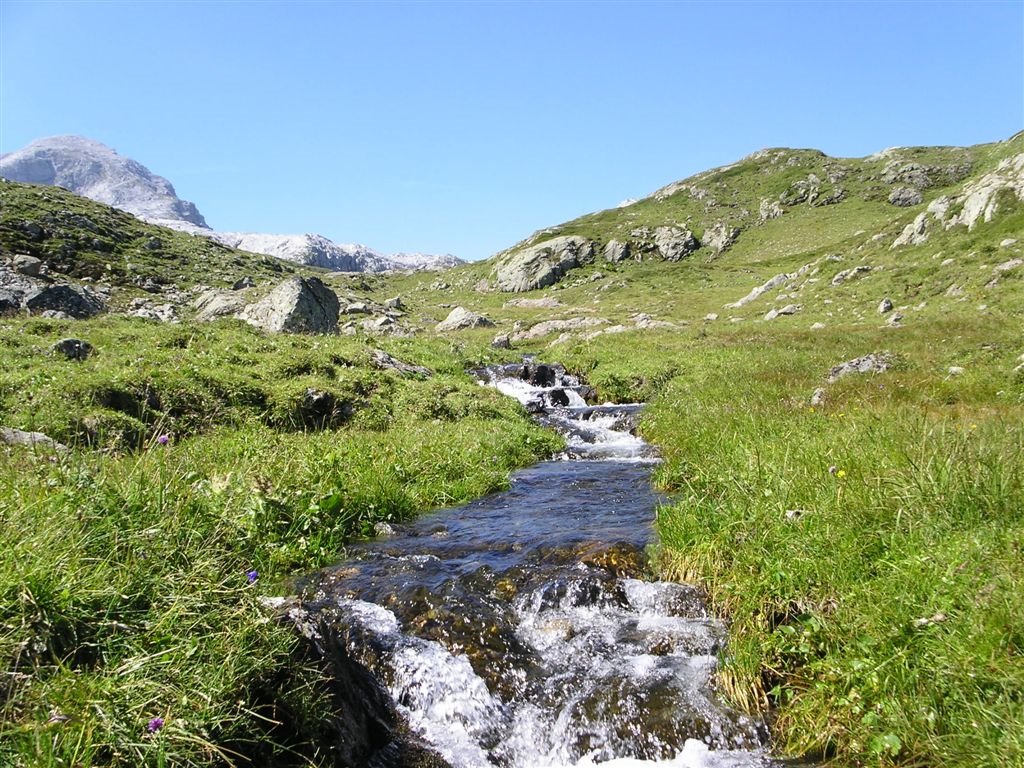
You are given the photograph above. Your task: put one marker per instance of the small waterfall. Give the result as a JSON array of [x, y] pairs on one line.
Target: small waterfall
[[518, 630]]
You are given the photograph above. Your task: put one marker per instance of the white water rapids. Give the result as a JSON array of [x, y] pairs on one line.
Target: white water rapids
[[509, 633]]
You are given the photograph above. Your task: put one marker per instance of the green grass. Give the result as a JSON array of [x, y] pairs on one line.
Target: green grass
[[879, 622], [123, 590]]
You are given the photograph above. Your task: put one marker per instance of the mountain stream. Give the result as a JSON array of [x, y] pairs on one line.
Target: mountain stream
[[520, 631]]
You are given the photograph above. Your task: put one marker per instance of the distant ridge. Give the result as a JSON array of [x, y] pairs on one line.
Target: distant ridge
[[93, 170]]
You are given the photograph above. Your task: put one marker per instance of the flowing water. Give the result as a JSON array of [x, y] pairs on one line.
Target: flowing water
[[519, 630]]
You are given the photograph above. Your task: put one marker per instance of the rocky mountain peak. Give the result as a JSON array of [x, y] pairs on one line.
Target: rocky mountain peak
[[94, 170]]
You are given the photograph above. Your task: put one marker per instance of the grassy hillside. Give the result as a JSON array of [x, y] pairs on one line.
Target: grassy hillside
[[865, 548]]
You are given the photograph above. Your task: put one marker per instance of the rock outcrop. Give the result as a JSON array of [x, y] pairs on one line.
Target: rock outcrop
[[461, 318], [720, 237], [978, 201], [674, 243], [298, 305], [543, 264]]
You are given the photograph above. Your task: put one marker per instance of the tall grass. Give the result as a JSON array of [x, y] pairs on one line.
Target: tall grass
[[867, 552]]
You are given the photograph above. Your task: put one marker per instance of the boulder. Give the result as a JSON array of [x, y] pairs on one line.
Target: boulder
[[674, 243], [551, 326], [915, 233], [26, 265], [818, 397], [720, 237], [545, 303], [73, 349], [245, 282], [73, 301], [501, 341], [846, 274], [395, 302], [616, 251], [386, 362], [757, 292], [875, 362], [885, 306], [213, 304], [789, 309], [357, 308], [10, 301], [9, 436], [298, 305], [769, 209], [904, 197], [461, 318], [543, 264], [161, 313]]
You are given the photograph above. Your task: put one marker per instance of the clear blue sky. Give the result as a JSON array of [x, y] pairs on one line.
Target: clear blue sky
[[463, 126]]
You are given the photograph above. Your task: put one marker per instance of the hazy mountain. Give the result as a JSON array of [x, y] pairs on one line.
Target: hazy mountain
[[93, 170]]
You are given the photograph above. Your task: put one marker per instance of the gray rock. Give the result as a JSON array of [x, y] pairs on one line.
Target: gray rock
[[160, 313], [386, 362], [501, 341], [9, 436], [213, 304], [543, 264], [551, 326], [895, 320], [27, 265], [720, 237], [789, 309], [847, 274], [461, 318], [73, 349], [769, 209], [757, 292], [1007, 242], [357, 308], [395, 302], [875, 362], [245, 282], [818, 327], [616, 251], [710, 317], [674, 243], [915, 233], [884, 306], [545, 303], [298, 305], [818, 397], [956, 370], [74, 301], [904, 197], [10, 301]]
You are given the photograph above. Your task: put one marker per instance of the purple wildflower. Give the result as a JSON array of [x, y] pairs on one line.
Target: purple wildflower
[[154, 725], [252, 576], [164, 439]]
